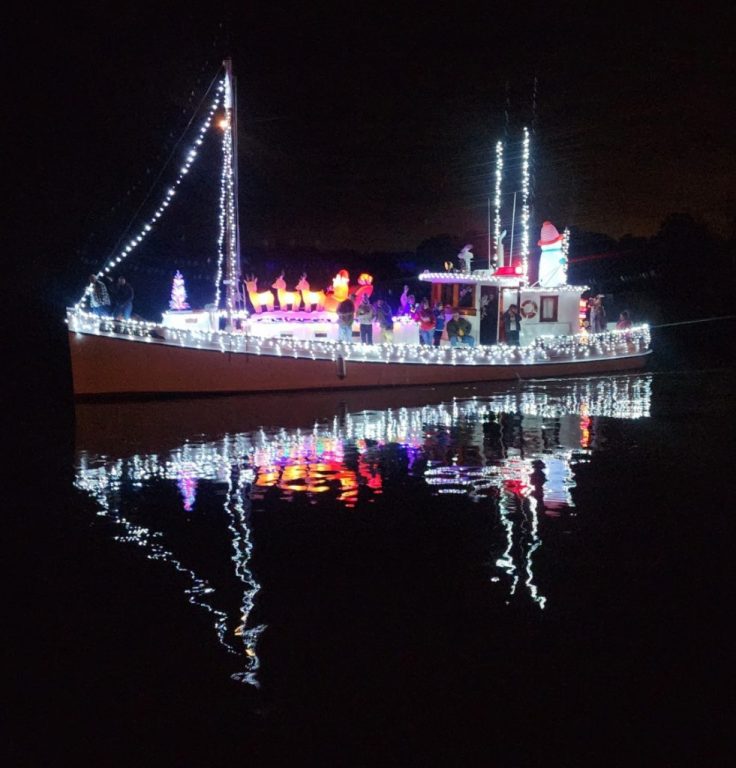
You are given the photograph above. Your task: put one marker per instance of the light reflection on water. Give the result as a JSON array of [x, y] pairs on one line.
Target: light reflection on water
[[514, 452]]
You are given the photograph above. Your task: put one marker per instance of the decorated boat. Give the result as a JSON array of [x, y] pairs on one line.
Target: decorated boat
[[254, 340]]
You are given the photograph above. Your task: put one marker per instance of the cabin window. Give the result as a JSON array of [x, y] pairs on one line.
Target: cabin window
[[457, 295], [446, 295], [465, 296], [548, 309]]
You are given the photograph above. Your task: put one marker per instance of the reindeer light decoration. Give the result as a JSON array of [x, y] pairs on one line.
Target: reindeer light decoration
[[291, 299], [258, 300], [310, 298]]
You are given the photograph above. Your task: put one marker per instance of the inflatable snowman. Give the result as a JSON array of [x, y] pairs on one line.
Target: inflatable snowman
[[552, 262]]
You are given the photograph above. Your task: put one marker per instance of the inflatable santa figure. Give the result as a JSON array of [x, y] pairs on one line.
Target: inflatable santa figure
[[552, 261]]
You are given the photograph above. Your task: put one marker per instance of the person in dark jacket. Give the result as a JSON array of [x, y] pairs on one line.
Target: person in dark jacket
[[385, 319], [123, 296], [458, 331], [439, 325], [345, 318], [512, 325]]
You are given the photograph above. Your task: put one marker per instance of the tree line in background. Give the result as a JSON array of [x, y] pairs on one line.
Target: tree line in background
[[683, 272]]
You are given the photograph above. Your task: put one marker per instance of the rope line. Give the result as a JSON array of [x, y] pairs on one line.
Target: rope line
[[163, 168], [692, 322]]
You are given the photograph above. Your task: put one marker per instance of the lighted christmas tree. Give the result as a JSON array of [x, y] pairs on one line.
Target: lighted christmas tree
[[178, 293]]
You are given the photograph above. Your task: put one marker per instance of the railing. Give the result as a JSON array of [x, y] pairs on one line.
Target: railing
[[544, 349]]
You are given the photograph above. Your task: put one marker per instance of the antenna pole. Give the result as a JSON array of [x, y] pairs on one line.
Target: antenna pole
[[513, 221], [490, 252], [532, 163]]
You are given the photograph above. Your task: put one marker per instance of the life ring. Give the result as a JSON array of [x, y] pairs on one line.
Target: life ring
[[529, 309]]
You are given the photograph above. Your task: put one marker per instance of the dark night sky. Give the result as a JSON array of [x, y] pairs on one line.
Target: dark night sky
[[374, 129]]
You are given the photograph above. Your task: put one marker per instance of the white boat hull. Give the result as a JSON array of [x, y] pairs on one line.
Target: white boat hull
[[110, 365]]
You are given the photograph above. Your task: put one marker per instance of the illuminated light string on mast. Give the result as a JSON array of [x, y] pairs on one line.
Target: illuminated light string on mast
[[190, 157], [497, 201], [525, 206], [222, 222], [566, 249], [227, 200]]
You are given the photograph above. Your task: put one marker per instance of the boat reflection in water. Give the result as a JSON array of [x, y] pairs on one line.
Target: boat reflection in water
[[512, 451]]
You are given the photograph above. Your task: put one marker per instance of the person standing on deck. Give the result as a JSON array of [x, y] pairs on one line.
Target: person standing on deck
[[427, 323], [345, 318], [512, 325], [439, 323], [123, 299], [404, 301], [98, 296], [365, 316], [385, 319], [624, 321], [407, 302], [598, 321]]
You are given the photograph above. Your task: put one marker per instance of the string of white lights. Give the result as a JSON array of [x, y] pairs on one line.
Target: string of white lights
[[148, 226], [525, 206], [543, 349], [566, 248], [230, 202], [481, 276], [223, 209], [497, 202]]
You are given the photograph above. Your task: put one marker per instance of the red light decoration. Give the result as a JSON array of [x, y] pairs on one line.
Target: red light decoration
[[365, 283]]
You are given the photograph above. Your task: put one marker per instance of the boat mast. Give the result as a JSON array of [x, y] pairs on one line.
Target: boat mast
[[232, 224], [513, 220], [490, 250]]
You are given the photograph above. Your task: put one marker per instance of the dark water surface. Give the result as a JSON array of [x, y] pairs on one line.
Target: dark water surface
[[491, 575]]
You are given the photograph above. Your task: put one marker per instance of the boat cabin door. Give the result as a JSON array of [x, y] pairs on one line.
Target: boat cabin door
[[488, 314]]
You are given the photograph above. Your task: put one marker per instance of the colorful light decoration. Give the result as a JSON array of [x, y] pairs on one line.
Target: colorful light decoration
[[341, 285], [365, 286], [582, 313]]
